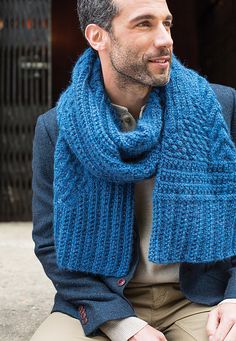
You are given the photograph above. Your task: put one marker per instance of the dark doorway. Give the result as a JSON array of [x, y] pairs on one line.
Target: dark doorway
[[67, 43], [205, 37]]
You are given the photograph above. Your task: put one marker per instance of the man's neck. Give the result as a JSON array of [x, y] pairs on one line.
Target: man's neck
[[133, 96], [132, 101]]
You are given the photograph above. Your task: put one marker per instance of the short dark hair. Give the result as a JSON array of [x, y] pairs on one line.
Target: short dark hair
[[99, 12]]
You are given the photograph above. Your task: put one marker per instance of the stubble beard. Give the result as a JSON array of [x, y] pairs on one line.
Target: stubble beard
[[130, 71]]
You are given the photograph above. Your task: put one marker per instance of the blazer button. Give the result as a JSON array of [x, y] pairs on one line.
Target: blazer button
[[85, 320], [81, 308], [121, 282]]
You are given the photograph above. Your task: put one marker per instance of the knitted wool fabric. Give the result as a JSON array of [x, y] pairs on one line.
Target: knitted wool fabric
[[181, 139]]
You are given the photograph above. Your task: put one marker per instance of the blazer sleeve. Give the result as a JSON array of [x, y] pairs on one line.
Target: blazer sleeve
[[90, 299], [231, 287], [233, 122]]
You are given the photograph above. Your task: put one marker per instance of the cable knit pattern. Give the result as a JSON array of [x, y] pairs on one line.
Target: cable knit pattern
[[181, 139]]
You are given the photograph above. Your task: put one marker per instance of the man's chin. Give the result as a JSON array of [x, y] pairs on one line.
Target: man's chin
[[161, 81]]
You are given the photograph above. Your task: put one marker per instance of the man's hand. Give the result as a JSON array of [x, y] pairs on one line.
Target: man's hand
[[148, 333], [221, 325]]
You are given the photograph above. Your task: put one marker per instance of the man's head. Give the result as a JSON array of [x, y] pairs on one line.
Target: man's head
[[132, 38], [99, 12]]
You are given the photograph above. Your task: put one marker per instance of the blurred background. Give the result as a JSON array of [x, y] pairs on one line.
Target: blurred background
[[39, 43]]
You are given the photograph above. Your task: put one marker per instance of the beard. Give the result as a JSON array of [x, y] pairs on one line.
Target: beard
[[137, 71]]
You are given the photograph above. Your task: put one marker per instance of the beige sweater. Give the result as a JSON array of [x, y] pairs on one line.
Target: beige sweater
[[147, 272]]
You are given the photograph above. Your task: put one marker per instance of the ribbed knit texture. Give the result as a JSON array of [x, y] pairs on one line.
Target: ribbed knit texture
[[181, 138]]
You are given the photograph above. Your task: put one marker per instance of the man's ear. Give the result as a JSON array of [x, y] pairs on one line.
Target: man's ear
[[96, 36]]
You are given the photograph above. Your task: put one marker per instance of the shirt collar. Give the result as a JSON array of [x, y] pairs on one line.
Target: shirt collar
[[122, 110]]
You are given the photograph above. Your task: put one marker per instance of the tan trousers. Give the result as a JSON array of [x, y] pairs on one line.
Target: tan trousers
[[162, 306]]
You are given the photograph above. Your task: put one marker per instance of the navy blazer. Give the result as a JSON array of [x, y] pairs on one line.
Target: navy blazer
[[96, 299]]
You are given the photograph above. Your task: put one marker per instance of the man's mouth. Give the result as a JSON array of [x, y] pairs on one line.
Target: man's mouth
[[160, 60]]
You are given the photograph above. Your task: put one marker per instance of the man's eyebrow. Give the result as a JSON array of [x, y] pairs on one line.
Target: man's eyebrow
[[149, 17]]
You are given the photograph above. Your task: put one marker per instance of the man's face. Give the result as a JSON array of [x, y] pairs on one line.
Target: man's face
[[140, 44]]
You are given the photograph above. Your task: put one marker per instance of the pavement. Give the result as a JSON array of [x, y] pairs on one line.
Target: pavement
[[26, 294]]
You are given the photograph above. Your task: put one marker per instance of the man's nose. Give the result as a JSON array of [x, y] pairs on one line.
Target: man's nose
[[163, 37]]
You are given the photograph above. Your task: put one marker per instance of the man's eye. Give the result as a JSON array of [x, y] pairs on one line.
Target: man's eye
[[168, 24], [144, 24]]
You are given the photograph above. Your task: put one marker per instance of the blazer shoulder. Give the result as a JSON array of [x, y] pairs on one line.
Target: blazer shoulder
[[224, 93], [49, 120], [227, 98]]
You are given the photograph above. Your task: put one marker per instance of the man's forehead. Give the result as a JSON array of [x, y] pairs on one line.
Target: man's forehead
[[126, 6], [124, 3]]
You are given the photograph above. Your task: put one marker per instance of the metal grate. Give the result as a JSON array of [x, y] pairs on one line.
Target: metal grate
[[25, 92]]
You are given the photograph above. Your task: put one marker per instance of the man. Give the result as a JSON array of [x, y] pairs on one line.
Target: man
[[141, 152]]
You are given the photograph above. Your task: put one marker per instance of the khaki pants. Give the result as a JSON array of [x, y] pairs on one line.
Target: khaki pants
[[162, 306]]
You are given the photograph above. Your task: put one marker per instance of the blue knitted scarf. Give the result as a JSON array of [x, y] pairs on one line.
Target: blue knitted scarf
[[181, 139]]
